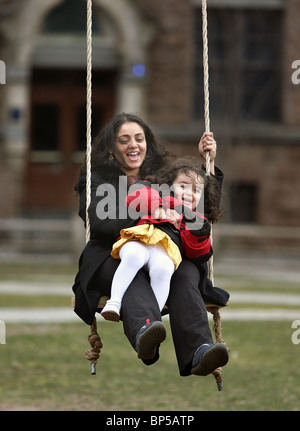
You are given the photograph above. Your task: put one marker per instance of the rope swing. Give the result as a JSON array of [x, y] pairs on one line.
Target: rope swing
[[212, 309], [94, 338]]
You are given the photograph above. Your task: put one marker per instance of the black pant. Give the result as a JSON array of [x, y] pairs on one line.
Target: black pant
[[188, 315]]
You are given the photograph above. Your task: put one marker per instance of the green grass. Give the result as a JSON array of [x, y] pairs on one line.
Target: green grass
[[24, 301], [47, 273], [43, 367]]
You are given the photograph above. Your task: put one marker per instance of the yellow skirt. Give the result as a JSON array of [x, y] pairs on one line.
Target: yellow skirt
[[150, 235]]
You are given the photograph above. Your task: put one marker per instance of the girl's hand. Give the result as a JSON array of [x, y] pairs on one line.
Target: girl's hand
[[159, 213], [207, 143], [174, 217], [169, 214]]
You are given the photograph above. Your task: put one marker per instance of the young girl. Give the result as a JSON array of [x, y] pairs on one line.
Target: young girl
[[170, 227]]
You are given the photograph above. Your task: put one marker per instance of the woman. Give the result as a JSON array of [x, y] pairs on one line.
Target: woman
[[127, 150]]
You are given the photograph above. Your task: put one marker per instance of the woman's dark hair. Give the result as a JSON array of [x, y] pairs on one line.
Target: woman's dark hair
[[188, 165], [105, 143]]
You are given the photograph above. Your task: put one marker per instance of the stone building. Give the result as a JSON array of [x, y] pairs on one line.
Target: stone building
[[147, 59]]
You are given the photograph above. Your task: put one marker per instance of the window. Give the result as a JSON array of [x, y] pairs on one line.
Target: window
[[243, 202], [244, 64], [45, 127], [69, 17]]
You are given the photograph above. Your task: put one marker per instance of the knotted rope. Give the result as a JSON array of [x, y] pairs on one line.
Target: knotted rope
[[94, 338], [96, 346]]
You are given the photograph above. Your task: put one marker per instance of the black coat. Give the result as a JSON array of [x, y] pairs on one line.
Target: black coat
[[103, 234]]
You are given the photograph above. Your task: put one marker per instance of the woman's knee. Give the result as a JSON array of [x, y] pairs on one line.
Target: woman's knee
[[187, 274]]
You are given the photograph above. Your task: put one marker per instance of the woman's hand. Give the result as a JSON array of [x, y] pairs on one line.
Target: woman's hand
[[207, 143]]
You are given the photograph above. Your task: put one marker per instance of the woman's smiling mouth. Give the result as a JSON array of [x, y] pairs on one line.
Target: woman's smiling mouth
[[133, 156]]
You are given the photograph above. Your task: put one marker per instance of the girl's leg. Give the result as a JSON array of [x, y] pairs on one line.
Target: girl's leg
[[161, 269], [134, 255]]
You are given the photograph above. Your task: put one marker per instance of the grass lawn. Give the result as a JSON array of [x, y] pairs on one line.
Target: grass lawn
[[44, 368]]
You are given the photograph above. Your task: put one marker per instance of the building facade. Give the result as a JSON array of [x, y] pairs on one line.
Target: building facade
[[147, 59]]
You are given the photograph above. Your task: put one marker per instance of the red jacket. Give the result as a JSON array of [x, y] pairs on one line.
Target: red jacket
[[195, 241]]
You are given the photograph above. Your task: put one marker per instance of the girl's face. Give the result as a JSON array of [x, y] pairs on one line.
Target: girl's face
[[188, 189], [131, 143]]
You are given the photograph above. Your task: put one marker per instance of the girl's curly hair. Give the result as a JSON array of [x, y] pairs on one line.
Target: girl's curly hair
[[212, 199]]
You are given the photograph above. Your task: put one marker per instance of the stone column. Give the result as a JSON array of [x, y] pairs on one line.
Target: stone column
[[16, 117], [291, 64]]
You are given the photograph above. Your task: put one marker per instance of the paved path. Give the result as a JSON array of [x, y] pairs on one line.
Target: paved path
[[246, 266], [66, 314]]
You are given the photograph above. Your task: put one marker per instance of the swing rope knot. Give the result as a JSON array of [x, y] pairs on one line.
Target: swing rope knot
[[96, 346]]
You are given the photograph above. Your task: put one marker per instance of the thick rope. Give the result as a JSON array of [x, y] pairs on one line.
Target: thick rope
[[214, 310], [205, 76], [94, 338], [206, 105], [217, 373], [88, 114], [96, 346]]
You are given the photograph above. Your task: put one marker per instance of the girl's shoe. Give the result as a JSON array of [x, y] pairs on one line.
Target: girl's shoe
[[111, 311]]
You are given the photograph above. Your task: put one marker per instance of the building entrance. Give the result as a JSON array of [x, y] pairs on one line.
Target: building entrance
[[58, 134]]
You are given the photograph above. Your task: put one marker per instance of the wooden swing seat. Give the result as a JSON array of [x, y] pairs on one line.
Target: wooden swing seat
[[103, 299]]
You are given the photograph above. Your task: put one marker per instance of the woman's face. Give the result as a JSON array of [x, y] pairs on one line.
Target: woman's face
[[131, 143]]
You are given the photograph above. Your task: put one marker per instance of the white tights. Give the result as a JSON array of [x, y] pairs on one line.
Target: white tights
[[134, 255]]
